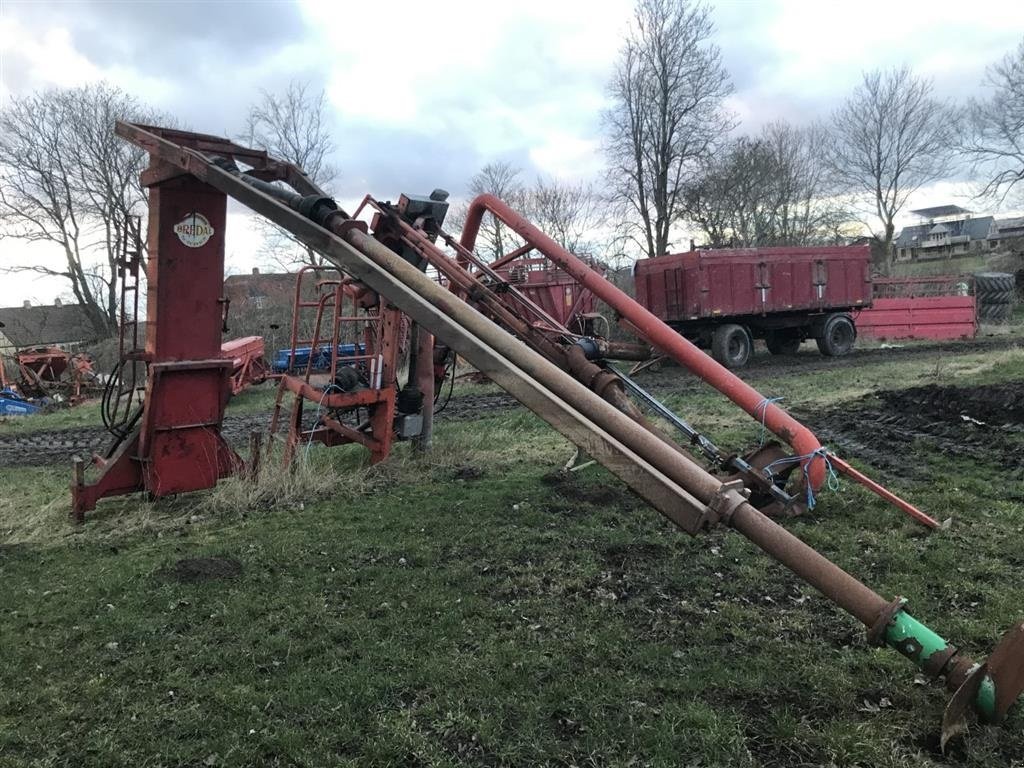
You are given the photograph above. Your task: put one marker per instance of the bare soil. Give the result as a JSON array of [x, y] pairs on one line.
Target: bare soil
[[985, 423]]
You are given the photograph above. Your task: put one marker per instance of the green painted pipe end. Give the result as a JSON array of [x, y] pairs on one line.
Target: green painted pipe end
[[914, 640], [985, 701]]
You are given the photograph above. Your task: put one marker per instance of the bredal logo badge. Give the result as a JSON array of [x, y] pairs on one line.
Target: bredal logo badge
[[194, 230]]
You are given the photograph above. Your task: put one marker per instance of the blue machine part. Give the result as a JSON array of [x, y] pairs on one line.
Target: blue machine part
[[285, 362], [13, 404]]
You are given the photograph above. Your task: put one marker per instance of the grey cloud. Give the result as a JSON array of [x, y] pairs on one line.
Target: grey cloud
[[157, 38]]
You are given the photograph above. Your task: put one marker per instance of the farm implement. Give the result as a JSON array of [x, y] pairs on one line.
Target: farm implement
[[403, 267], [49, 374]]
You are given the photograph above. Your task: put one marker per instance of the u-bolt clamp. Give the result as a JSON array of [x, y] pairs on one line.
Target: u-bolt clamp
[[729, 496]]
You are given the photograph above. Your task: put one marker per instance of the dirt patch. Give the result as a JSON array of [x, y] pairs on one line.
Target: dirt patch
[[192, 570], [983, 423], [570, 487], [467, 472], [61, 446], [476, 406]]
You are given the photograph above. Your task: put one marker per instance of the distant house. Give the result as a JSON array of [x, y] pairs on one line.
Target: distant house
[[61, 325], [1010, 229], [946, 231], [257, 291]]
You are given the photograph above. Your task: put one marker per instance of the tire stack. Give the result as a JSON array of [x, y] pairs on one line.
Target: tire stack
[[995, 294]]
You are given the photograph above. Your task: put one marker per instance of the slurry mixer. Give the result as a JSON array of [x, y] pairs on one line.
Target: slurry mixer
[[403, 281]]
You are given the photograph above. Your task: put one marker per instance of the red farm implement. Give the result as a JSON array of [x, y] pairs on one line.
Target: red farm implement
[[403, 264], [722, 300], [344, 366], [49, 372], [248, 362]]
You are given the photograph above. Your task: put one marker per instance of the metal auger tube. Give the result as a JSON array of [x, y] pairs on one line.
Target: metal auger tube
[[678, 487]]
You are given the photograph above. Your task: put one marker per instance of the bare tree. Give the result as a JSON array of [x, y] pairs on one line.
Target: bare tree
[[667, 92], [571, 213], [291, 126], [769, 191], [890, 138], [994, 137], [500, 179], [67, 180]]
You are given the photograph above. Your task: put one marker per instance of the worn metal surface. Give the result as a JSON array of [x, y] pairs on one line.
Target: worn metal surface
[[247, 358], [919, 317], [653, 331], [717, 284], [177, 445], [661, 474]]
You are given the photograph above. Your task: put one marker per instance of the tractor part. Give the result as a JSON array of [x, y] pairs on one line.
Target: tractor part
[[676, 486], [753, 477], [13, 404]]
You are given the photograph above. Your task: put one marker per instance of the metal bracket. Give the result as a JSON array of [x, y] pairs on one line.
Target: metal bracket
[[876, 632], [729, 496]]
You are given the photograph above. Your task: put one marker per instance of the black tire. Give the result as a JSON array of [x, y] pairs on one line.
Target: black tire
[[782, 343], [1000, 297], [992, 282], [994, 313], [837, 337], [731, 345]]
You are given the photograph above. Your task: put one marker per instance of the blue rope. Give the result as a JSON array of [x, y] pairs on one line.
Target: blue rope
[[831, 476], [763, 407]]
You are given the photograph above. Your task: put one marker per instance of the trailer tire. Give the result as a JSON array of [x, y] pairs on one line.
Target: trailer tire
[[782, 343], [731, 345], [837, 337]]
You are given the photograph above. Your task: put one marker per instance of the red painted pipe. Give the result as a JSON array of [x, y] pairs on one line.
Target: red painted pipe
[[654, 331]]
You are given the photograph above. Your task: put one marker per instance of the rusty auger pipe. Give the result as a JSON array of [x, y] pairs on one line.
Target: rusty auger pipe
[[679, 488], [666, 340]]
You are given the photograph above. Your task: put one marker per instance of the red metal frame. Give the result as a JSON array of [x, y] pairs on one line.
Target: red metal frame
[[47, 371], [753, 282], [177, 445], [352, 315], [249, 366], [652, 330]]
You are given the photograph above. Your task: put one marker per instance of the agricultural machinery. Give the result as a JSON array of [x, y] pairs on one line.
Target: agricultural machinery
[[401, 276], [51, 373], [248, 364]]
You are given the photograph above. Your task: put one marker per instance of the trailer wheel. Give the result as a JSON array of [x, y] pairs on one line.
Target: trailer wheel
[[782, 343], [837, 337], [731, 345]]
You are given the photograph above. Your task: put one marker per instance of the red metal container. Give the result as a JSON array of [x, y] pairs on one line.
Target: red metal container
[[937, 308], [551, 288], [706, 284]]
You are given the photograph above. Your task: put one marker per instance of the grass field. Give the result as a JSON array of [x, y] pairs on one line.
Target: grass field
[[475, 607]]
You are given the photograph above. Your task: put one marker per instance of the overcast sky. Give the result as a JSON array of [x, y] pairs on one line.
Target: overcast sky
[[422, 95]]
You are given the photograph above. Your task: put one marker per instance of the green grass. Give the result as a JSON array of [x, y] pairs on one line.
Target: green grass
[[85, 415], [960, 265], [466, 608]]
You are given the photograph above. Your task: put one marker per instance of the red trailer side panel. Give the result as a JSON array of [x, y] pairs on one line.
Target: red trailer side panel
[[921, 317], [755, 281]]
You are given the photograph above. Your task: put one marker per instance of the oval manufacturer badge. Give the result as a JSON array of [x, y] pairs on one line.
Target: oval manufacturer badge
[[194, 230]]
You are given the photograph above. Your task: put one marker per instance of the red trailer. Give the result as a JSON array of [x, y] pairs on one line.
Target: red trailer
[[724, 299], [552, 289]]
